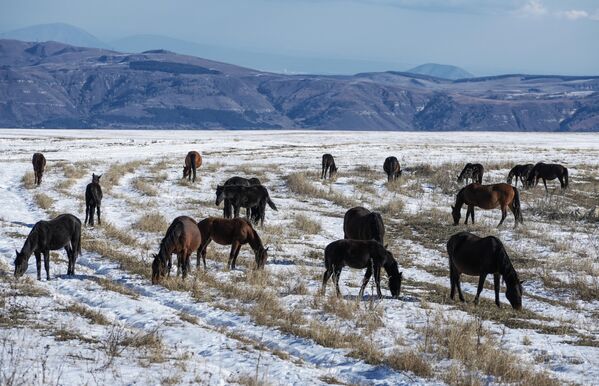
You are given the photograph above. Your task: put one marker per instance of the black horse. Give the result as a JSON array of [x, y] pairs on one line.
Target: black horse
[[548, 172], [472, 171], [361, 224], [255, 196], [93, 200], [476, 256], [328, 164], [39, 164], [62, 232], [360, 254], [520, 172], [392, 168], [240, 181]]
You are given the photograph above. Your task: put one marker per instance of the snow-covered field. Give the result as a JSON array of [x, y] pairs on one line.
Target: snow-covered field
[[109, 325]]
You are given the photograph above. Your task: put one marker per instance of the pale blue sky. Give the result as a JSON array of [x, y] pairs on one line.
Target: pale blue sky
[[482, 36]]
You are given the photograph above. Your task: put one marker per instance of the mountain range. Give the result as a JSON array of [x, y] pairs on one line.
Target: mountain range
[[50, 84]]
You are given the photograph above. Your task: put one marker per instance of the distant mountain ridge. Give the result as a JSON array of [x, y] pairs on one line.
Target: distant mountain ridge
[[58, 32], [443, 71], [57, 85]]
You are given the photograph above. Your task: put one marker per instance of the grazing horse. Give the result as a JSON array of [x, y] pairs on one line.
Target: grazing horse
[[488, 197], [240, 181], [328, 164], [193, 160], [93, 200], [182, 237], [234, 232], [64, 231], [392, 168], [472, 171], [361, 224], [548, 172], [254, 196], [520, 172], [39, 164], [360, 254], [473, 255]]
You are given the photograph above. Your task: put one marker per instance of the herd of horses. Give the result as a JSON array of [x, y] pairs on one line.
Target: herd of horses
[[361, 248]]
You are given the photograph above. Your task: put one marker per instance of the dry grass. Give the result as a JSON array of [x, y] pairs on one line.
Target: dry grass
[[152, 222], [112, 231], [142, 185], [306, 224], [299, 183], [43, 200], [28, 180], [113, 286], [116, 171], [74, 171], [410, 360], [88, 313], [393, 208]]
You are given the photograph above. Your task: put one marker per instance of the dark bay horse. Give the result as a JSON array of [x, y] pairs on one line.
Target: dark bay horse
[[64, 231], [519, 172], [488, 197], [328, 164], [361, 224], [476, 256], [360, 254], [254, 196], [548, 172], [392, 168], [93, 200], [252, 213], [234, 232], [182, 237], [193, 160], [472, 171], [39, 164]]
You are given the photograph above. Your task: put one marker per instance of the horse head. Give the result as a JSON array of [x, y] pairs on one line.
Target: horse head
[[20, 264], [261, 256], [96, 178], [333, 170], [395, 284], [456, 214], [158, 269], [219, 194], [186, 171], [513, 293]]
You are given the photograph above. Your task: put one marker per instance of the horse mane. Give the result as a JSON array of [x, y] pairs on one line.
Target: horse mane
[[507, 269], [171, 236]]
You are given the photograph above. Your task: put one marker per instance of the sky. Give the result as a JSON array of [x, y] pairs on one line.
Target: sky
[[484, 37]]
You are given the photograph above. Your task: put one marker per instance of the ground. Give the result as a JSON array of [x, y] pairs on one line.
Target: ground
[[108, 324]]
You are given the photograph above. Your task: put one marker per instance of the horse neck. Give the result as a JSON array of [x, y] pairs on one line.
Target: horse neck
[[459, 199], [506, 269], [391, 268], [255, 241], [31, 243]]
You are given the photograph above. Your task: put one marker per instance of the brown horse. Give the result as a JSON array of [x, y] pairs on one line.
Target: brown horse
[[234, 232], [182, 237], [361, 224], [548, 172], [476, 256], [472, 171], [39, 164], [487, 197], [328, 164], [392, 168], [193, 160]]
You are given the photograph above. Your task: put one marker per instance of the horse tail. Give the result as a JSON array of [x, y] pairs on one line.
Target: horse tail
[[78, 251], [271, 204], [193, 162], [565, 177], [517, 207]]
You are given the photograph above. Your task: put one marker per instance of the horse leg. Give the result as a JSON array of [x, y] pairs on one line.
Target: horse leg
[[47, 264], [503, 215], [452, 282], [325, 278], [365, 281], [86, 214], [231, 262], [169, 265], [194, 174], [377, 281], [561, 181], [38, 263], [98, 209], [472, 214], [496, 284], [202, 252], [457, 282], [545, 183], [71, 264], [92, 210], [236, 254], [236, 211], [336, 276], [185, 257], [481, 283], [513, 210]]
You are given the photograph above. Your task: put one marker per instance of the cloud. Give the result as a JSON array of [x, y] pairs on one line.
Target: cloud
[[532, 8], [578, 14]]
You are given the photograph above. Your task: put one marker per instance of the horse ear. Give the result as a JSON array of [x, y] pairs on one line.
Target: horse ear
[[267, 248], [452, 207], [522, 282], [17, 252], [386, 245], [99, 175]]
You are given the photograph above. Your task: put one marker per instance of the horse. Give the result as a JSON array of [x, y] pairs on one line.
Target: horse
[[328, 164], [240, 181], [360, 254], [254, 196], [488, 197], [548, 172], [361, 224], [182, 237], [472, 171], [193, 160], [39, 164], [392, 168], [64, 231], [520, 172], [234, 232], [473, 255], [93, 200]]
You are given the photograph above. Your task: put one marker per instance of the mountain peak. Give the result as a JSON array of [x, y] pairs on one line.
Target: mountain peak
[[445, 71], [58, 32]]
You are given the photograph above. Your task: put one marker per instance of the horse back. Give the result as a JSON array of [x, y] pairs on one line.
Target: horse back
[[473, 255], [58, 232], [348, 252]]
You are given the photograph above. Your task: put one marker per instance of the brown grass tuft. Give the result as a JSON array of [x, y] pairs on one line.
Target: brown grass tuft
[[152, 222]]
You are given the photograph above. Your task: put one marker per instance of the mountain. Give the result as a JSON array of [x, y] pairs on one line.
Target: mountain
[[58, 85], [443, 71], [58, 32]]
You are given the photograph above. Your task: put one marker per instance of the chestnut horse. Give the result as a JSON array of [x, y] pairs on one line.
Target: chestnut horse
[[234, 232], [361, 224], [488, 197], [392, 168], [548, 172], [360, 254], [328, 164], [182, 237], [193, 160], [39, 164], [473, 255]]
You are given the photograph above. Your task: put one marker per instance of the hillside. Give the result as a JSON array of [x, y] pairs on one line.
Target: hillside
[[444, 71], [57, 85]]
